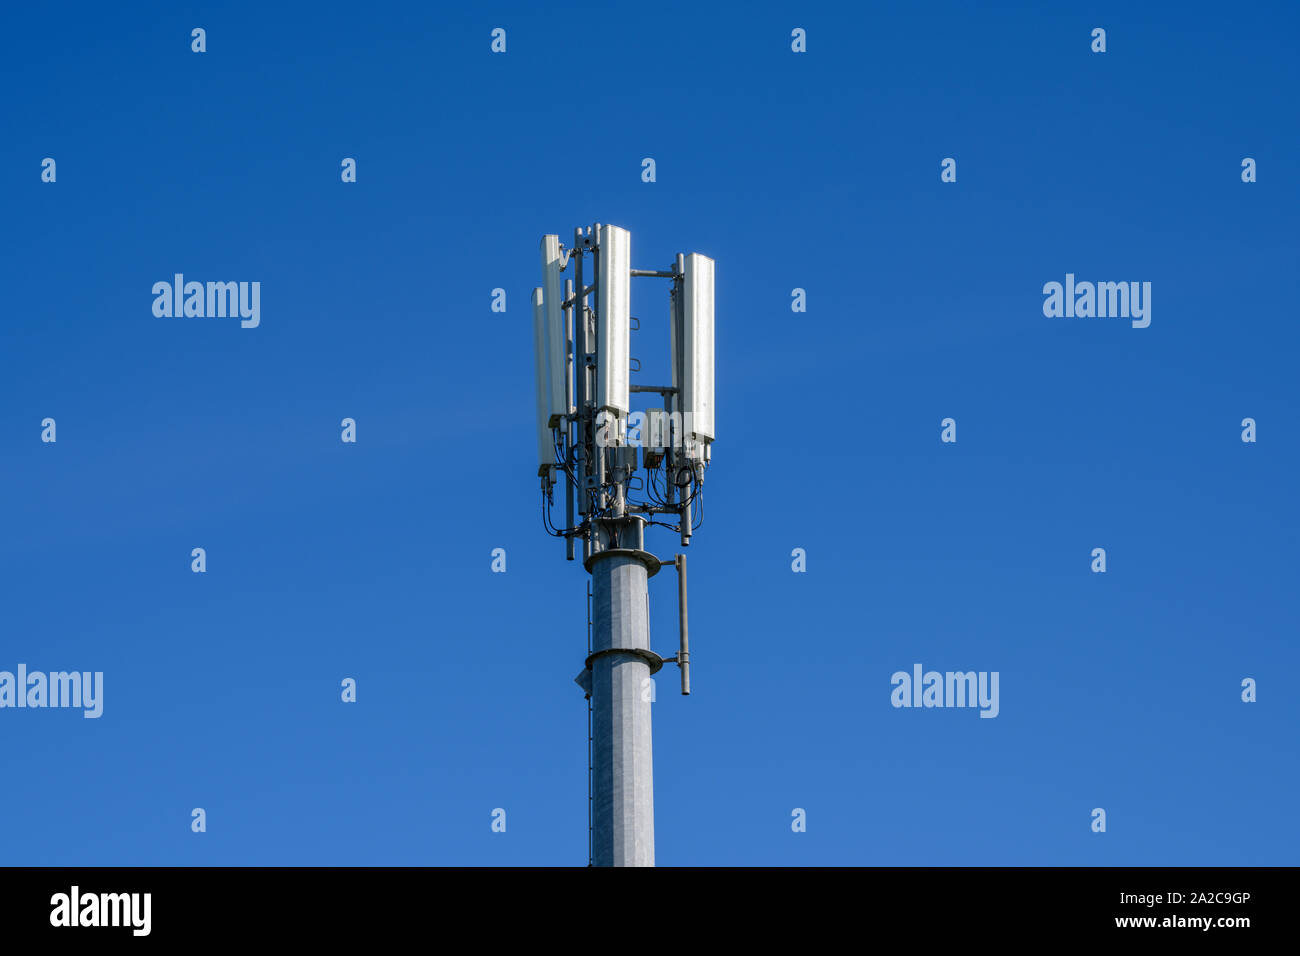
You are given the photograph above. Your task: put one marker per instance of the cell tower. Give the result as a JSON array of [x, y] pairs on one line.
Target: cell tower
[[587, 431]]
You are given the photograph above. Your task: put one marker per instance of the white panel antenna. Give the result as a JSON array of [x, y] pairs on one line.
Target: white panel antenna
[[613, 311], [697, 347], [545, 438], [557, 342]]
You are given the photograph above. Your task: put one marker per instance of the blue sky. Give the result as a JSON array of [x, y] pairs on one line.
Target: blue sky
[[817, 171]]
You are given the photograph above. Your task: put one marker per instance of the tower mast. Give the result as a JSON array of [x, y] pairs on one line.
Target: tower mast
[[607, 454]]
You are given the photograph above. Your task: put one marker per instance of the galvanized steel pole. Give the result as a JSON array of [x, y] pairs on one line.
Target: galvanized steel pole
[[623, 816]]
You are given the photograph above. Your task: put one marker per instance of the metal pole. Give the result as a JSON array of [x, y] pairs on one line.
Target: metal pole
[[622, 761], [684, 648], [571, 395], [580, 347], [590, 830], [679, 311]]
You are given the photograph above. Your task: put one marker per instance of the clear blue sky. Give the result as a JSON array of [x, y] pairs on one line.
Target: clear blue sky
[[818, 171]]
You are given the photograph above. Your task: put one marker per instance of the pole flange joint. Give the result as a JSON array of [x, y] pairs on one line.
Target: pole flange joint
[[650, 657], [652, 564]]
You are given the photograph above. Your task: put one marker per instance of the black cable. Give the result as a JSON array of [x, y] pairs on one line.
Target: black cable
[[652, 488], [546, 518]]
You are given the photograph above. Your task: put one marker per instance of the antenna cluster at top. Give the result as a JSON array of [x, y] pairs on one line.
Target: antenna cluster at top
[[618, 463]]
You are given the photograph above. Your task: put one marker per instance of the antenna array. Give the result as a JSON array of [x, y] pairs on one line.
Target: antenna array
[[622, 471]]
